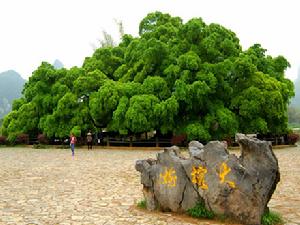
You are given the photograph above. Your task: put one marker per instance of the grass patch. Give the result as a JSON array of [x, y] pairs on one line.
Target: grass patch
[[271, 218], [199, 211], [40, 146], [142, 204], [64, 147]]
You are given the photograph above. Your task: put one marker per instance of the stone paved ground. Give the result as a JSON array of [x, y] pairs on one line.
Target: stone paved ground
[[102, 187]]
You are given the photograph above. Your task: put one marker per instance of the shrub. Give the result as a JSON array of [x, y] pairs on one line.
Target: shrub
[[199, 211], [22, 139], [293, 138], [42, 139], [196, 131], [178, 139], [142, 204], [271, 218], [2, 140], [11, 139]]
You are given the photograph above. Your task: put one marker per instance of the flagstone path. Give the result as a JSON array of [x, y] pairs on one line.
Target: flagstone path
[[101, 186]]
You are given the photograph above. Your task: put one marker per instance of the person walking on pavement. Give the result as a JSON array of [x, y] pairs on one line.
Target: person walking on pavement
[[72, 143]]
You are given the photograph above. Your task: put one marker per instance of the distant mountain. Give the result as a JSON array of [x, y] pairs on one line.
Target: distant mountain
[[11, 86], [296, 100], [58, 64]]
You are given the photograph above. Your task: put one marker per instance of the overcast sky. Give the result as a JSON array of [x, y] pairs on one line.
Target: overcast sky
[[32, 31]]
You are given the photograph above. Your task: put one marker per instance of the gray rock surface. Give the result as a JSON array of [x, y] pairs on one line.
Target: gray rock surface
[[195, 149], [239, 188]]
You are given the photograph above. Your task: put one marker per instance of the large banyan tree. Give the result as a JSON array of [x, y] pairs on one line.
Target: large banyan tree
[[176, 77]]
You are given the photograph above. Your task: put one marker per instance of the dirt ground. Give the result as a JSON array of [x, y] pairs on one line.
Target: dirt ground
[[48, 186]]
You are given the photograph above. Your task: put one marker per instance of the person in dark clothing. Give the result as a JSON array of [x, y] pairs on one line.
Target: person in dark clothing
[[89, 140], [99, 137]]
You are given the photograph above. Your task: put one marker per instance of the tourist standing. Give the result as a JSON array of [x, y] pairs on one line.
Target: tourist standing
[[89, 140]]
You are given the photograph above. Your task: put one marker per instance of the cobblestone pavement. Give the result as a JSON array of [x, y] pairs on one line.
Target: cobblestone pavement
[[102, 187]]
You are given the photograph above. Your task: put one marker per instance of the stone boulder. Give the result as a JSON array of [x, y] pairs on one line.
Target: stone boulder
[[195, 149], [239, 188]]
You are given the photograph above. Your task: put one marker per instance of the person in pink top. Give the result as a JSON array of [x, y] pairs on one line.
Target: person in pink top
[[72, 143]]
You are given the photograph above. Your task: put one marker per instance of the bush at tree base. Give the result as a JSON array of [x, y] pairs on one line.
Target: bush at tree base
[[22, 139], [293, 138], [2, 140], [42, 139]]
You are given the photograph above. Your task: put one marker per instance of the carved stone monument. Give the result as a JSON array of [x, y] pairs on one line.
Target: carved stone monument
[[239, 188]]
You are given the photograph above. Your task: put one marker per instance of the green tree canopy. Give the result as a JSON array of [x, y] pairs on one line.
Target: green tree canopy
[[176, 77]]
